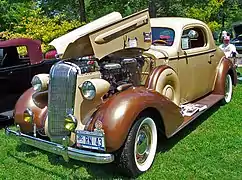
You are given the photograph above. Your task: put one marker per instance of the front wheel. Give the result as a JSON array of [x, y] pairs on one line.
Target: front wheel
[[228, 89], [138, 152]]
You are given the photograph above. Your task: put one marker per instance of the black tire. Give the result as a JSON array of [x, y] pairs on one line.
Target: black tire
[[228, 90], [132, 161]]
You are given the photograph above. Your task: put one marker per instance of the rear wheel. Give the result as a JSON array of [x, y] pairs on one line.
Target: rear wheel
[[138, 152], [228, 89]]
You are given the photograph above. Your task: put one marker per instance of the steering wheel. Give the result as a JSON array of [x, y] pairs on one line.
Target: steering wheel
[[159, 41]]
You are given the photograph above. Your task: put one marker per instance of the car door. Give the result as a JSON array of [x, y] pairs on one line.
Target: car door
[[195, 63], [14, 78]]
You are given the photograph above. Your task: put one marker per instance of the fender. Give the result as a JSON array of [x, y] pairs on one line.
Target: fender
[[26, 101], [119, 113], [164, 80], [224, 67]]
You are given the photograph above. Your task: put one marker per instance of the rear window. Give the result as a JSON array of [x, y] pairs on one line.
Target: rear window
[[165, 34]]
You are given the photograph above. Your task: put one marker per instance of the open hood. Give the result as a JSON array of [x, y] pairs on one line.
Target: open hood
[[106, 35]]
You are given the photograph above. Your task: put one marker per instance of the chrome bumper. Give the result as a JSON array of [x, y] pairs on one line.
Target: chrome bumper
[[66, 152]]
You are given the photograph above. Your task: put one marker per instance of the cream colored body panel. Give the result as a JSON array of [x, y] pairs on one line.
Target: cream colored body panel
[[106, 35], [61, 43], [83, 109], [196, 67]]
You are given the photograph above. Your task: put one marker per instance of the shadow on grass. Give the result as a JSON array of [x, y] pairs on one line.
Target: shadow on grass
[[95, 171], [4, 124], [166, 144]]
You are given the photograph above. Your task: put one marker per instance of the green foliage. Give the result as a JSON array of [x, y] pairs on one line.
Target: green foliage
[[206, 13], [98, 8], [40, 27], [48, 19]]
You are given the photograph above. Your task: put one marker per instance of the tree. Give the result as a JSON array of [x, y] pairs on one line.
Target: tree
[[41, 27], [72, 9]]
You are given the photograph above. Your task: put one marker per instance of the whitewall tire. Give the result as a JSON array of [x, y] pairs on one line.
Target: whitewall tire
[[139, 150], [228, 89]]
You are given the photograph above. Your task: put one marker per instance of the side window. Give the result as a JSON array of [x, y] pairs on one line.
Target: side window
[[193, 38], [2, 56], [23, 55], [13, 56]]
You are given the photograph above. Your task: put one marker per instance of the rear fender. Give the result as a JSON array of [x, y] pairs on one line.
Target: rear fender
[[121, 110], [24, 102], [226, 66]]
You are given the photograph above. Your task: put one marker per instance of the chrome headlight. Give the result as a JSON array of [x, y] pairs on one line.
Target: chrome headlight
[[40, 82], [88, 90], [36, 83]]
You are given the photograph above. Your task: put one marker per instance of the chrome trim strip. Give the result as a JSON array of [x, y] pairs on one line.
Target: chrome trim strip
[[64, 151]]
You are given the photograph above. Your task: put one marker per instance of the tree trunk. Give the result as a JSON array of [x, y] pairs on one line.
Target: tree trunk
[[82, 10], [152, 8]]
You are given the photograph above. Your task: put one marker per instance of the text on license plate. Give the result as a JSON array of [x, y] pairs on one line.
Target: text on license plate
[[90, 140]]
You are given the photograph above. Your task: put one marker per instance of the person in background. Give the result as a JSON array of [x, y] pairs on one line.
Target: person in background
[[227, 48]]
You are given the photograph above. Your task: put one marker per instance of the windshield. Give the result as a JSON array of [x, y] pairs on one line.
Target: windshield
[[163, 36]]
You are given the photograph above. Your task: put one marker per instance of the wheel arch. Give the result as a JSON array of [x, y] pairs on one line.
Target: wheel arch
[[224, 67], [156, 116], [120, 112], [162, 77], [26, 101]]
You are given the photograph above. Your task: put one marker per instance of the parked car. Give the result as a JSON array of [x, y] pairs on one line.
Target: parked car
[[114, 93], [17, 70], [237, 34]]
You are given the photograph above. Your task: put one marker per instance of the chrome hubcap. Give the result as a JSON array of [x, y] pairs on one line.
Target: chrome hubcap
[[143, 143]]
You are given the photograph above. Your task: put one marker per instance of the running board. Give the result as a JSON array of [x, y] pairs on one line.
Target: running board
[[209, 100]]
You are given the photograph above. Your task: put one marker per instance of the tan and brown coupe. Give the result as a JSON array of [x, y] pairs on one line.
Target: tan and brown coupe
[[121, 84]]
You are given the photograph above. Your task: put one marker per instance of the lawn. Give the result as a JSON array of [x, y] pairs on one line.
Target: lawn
[[208, 148]]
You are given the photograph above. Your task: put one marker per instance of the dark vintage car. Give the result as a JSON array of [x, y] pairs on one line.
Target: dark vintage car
[[237, 34], [16, 70]]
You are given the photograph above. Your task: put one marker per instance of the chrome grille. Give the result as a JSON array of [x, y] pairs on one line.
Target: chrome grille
[[61, 96]]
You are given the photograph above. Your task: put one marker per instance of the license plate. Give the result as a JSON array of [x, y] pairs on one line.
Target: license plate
[[90, 140]]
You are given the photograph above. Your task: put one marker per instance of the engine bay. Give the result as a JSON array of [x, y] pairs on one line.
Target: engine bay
[[120, 72]]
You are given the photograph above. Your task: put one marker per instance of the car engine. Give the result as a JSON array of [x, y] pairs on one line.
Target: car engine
[[121, 73]]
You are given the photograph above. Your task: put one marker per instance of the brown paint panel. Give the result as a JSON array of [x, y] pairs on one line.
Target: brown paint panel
[[225, 66], [24, 102], [121, 110]]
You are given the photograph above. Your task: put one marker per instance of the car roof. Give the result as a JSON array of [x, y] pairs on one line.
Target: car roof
[[33, 47], [173, 22]]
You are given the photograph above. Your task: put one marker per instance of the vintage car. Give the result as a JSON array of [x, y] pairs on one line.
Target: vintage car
[[17, 70], [237, 34], [121, 84]]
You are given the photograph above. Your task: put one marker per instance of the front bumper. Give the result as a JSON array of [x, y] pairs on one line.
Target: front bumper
[[65, 151]]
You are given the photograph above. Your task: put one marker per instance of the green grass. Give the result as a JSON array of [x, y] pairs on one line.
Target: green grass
[[208, 148]]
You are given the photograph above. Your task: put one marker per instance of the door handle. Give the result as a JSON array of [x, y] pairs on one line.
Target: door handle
[[210, 61], [11, 72]]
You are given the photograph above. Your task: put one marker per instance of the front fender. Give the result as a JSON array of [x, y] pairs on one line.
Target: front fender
[[224, 67], [121, 110], [26, 101]]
